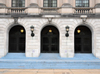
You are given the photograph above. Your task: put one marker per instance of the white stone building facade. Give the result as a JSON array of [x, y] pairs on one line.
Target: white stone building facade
[[67, 17]]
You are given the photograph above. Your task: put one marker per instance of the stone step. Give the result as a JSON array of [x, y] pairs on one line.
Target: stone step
[[49, 61]]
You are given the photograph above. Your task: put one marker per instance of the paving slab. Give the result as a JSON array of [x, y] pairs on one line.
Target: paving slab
[[11, 73], [49, 71]]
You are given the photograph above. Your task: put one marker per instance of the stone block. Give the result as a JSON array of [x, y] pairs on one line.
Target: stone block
[[97, 10], [66, 11], [35, 54], [28, 54], [33, 11], [3, 10], [98, 55]]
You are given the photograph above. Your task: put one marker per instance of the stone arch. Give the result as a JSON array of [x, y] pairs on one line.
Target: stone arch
[[52, 24], [50, 35], [92, 28], [8, 28], [83, 40]]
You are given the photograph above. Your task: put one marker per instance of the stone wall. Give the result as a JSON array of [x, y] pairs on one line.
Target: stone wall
[[66, 44]]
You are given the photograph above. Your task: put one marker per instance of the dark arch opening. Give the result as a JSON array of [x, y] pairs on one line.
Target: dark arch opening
[[17, 39], [50, 40], [83, 40]]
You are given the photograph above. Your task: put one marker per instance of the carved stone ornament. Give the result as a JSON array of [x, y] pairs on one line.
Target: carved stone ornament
[[67, 5], [2, 5], [15, 20], [97, 5], [33, 5]]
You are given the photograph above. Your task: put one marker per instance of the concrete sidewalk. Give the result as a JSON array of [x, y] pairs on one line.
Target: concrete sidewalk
[[49, 71]]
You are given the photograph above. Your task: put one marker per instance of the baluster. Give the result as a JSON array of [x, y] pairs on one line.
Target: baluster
[[87, 11], [18, 11], [12, 11], [83, 11], [15, 11], [90, 11], [79, 11], [22, 11]]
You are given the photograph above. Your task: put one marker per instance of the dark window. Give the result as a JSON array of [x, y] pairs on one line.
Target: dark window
[[50, 3], [82, 3], [18, 3]]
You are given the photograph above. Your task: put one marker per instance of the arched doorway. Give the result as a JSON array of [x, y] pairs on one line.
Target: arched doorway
[[50, 40], [17, 39], [83, 40]]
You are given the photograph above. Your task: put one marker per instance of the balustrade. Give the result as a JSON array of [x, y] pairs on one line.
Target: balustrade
[[83, 10], [16, 10]]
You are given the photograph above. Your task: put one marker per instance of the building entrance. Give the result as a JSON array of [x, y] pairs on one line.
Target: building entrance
[[50, 40], [83, 40], [17, 39]]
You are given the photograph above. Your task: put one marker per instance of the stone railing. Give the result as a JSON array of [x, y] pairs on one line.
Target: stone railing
[[49, 10], [16, 10], [83, 10]]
